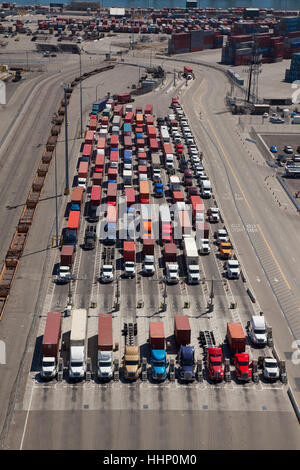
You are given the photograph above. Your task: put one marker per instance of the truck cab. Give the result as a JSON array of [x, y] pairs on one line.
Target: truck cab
[[148, 266], [215, 363], [270, 369], [63, 275], [131, 362], [129, 269], [233, 270], [204, 246], [222, 236], [187, 363], [107, 273], [159, 364], [105, 365], [172, 273], [242, 367], [49, 367], [158, 189], [193, 274], [225, 250], [77, 363], [257, 330], [90, 238]]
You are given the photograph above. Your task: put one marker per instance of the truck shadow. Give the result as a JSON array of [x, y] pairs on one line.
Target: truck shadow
[[36, 363]]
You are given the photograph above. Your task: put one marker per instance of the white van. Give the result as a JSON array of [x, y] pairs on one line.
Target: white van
[[205, 189]]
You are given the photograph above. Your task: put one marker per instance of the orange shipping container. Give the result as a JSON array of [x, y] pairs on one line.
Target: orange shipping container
[[74, 220]]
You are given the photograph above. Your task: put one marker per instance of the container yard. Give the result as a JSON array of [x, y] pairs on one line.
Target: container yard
[[149, 286]]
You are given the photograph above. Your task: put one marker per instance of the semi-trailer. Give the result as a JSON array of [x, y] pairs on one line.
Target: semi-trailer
[[77, 362], [236, 340], [50, 345], [129, 259], [105, 347], [191, 259], [158, 351]]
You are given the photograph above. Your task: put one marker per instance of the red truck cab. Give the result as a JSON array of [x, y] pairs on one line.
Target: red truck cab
[[242, 366], [215, 363]]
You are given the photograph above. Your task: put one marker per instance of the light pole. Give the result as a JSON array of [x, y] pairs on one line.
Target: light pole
[[56, 209], [67, 188], [80, 91]]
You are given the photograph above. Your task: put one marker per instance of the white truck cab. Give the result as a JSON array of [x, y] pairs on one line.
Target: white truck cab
[[107, 274], [49, 367], [270, 369], [233, 269], [257, 330], [63, 275], [148, 266], [172, 273], [129, 269], [204, 246], [193, 274], [105, 365]]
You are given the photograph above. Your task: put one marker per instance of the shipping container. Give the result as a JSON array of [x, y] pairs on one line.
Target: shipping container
[[151, 132], [52, 335], [236, 338], [118, 110], [101, 143], [67, 255], [73, 220], [95, 196], [112, 214], [114, 141], [105, 333], [89, 137], [87, 150], [77, 196], [148, 245], [129, 196], [182, 330], [177, 196], [148, 109], [97, 178], [112, 194], [156, 335], [83, 170], [144, 192], [129, 117], [129, 251], [170, 253]]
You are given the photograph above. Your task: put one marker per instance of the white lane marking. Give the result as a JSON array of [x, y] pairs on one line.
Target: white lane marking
[[26, 420]]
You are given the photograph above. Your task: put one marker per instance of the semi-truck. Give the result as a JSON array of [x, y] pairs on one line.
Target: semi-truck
[[192, 260], [50, 345], [131, 358], [158, 351], [236, 340], [105, 347], [129, 259], [172, 268], [77, 362], [186, 354]]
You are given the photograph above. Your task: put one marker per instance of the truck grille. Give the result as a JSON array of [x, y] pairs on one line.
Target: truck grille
[[159, 376], [245, 376], [272, 374], [217, 375], [188, 375]]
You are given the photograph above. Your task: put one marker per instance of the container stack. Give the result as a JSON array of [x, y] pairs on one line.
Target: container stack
[[197, 40], [293, 73]]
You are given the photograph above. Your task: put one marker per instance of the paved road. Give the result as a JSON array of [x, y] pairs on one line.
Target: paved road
[[145, 415]]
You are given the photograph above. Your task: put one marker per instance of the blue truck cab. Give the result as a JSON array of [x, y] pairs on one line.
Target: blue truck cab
[[75, 207], [187, 363], [159, 364], [69, 237], [159, 189]]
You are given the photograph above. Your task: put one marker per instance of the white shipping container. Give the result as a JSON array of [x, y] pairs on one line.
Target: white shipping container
[[78, 327]]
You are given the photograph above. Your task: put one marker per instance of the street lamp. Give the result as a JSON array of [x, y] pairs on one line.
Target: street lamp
[[67, 188], [80, 91]]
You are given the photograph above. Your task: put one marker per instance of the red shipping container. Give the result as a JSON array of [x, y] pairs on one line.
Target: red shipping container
[[236, 338], [148, 246], [149, 119], [89, 137], [95, 196], [148, 109], [127, 142], [77, 196], [129, 251], [83, 170], [52, 334], [97, 179], [170, 253], [101, 143], [87, 150], [129, 196], [114, 141], [105, 334], [156, 335], [67, 255], [182, 330], [74, 220]]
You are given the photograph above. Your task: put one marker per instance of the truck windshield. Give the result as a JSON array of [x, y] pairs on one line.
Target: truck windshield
[[217, 363], [104, 364], [244, 363], [131, 363], [159, 364], [270, 365], [48, 363], [76, 364], [259, 331]]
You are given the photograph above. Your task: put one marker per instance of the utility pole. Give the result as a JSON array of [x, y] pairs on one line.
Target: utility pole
[[67, 189], [174, 77], [56, 210], [165, 296], [80, 90]]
